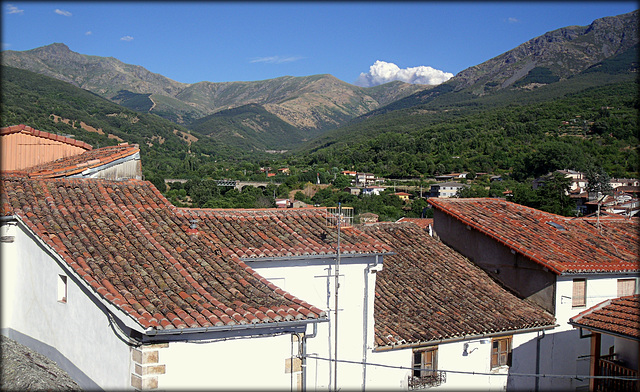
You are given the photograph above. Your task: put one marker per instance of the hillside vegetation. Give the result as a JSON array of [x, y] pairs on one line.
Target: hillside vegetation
[[167, 149]]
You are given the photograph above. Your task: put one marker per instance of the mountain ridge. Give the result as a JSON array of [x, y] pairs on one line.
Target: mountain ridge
[[307, 102]]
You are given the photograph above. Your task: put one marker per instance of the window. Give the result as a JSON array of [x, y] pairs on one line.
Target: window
[[62, 288], [579, 297], [425, 369], [626, 287], [501, 352], [425, 359]]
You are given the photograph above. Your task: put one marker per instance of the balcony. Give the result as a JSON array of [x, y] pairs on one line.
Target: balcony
[[609, 366], [432, 380]]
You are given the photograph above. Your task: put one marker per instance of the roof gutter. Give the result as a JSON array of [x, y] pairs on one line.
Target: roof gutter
[[284, 325], [311, 257], [461, 338], [602, 331]]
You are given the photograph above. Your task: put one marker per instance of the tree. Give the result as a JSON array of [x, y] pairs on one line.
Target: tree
[[598, 182], [554, 196], [342, 181]]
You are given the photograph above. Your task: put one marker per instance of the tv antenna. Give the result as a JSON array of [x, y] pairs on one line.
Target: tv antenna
[[339, 217]]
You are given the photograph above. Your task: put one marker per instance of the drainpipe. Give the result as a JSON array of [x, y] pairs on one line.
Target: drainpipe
[[304, 355], [365, 322], [538, 340]]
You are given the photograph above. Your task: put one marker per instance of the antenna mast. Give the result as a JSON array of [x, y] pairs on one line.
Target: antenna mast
[[338, 217]]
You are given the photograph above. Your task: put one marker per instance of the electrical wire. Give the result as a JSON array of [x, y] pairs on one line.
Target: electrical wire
[[625, 378]]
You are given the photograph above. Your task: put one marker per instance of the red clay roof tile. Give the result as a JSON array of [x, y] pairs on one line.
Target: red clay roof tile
[[562, 244], [428, 292], [616, 316], [127, 252]]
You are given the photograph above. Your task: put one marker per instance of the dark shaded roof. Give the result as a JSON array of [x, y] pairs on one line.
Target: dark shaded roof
[[76, 164], [618, 316], [26, 370], [427, 292], [46, 135], [562, 244], [138, 252]]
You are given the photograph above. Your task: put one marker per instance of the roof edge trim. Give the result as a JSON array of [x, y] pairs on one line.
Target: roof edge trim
[[153, 332], [462, 338], [602, 331]]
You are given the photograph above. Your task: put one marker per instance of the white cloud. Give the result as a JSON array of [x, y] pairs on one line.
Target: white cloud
[[12, 9], [88, 32], [62, 12], [513, 20], [126, 38], [276, 59], [382, 72]]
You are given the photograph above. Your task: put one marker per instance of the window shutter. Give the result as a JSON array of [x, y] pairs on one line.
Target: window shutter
[[626, 287], [579, 293]]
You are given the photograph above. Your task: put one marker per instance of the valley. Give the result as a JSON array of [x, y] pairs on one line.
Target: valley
[[510, 117]]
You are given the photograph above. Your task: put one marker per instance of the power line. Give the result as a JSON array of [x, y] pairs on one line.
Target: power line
[[624, 378]]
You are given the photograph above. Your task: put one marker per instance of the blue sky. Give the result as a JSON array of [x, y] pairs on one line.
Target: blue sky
[[247, 41]]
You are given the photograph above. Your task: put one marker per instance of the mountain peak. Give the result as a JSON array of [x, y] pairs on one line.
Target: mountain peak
[[54, 48]]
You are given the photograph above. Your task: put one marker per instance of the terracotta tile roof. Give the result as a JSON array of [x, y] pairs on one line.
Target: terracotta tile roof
[[52, 136], [562, 244], [619, 316], [428, 292], [134, 249], [76, 164], [422, 222], [276, 233]]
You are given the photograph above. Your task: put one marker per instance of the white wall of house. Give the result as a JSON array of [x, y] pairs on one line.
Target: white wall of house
[[312, 280], [600, 287], [75, 334], [451, 359], [256, 363]]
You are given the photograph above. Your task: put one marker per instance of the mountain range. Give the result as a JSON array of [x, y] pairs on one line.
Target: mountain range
[[286, 112]]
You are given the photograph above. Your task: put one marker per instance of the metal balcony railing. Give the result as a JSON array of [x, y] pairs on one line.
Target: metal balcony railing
[[432, 380]]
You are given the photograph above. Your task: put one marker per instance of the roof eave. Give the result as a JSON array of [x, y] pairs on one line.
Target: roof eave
[[313, 257], [464, 337], [153, 334], [603, 331]]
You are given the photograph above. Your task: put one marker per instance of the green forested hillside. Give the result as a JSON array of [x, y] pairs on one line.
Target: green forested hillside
[[37, 100], [250, 127], [598, 124]]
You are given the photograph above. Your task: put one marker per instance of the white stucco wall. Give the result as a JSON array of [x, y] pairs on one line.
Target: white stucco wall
[[452, 361], [76, 334], [313, 280], [600, 287], [255, 363]]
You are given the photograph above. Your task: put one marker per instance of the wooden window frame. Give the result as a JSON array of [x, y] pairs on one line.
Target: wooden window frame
[[579, 301], [426, 358], [501, 351]]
